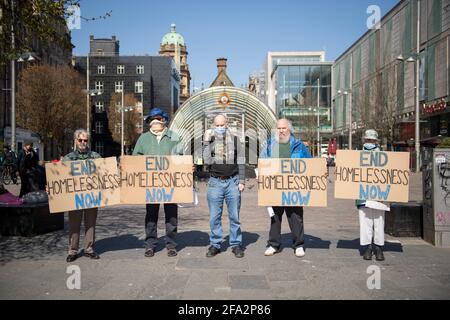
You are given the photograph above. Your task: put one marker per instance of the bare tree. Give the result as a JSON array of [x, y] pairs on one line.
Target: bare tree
[[375, 107], [389, 104], [308, 127], [50, 102], [132, 118]]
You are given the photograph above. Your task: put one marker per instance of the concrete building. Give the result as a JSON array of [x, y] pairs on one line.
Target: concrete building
[[375, 78]]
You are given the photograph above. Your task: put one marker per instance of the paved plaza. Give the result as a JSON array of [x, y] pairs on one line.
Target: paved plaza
[[333, 268]]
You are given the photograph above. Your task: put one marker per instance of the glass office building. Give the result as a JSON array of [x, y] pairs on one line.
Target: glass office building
[[299, 89], [303, 93]]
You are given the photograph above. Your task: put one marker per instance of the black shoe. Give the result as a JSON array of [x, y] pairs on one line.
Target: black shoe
[[92, 255], [72, 257], [212, 251], [172, 252], [379, 256], [149, 253], [238, 252], [368, 253]]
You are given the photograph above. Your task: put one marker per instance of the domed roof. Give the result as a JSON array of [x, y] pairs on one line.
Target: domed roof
[[173, 37]]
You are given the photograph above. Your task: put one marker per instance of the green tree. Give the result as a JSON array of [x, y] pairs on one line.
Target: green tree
[[41, 19]]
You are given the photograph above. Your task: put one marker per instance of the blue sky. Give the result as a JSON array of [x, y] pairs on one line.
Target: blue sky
[[242, 31]]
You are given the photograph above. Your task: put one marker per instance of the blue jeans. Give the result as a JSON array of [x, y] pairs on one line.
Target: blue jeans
[[218, 191]]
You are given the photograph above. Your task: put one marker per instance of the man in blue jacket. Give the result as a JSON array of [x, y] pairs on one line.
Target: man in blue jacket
[[285, 145]]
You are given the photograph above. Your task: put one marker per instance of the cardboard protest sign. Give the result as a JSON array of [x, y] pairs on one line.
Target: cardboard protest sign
[[83, 184], [156, 179], [292, 182], [372, 175]]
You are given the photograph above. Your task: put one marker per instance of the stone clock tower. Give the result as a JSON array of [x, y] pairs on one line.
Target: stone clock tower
[[172, 44]]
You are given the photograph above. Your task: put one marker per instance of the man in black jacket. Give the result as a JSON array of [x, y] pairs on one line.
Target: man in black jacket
[[27, 163], [227, 180]]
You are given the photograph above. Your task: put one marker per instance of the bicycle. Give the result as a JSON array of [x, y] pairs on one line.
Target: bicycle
[[8, 174]]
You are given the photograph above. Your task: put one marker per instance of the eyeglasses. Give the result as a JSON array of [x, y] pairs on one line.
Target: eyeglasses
[[82, 140], [159, 118]]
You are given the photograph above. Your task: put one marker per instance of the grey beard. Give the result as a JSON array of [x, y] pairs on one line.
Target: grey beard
[[283, 140]]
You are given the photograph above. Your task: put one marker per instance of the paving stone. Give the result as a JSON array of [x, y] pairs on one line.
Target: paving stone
[[333, 268], [248, 282]]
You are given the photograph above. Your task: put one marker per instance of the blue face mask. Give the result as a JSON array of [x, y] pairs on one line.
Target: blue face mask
[[370, 146], [220, 131]]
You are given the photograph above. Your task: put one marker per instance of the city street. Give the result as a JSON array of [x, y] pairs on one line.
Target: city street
[[35, 268]]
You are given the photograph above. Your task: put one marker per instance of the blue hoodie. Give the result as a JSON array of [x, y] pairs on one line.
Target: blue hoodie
[[298, 149]]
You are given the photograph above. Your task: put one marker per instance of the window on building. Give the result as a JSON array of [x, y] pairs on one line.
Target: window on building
[[101, 69], [118, 86], [140, 69], [99, 107], [120, 69], [99, 86], [99, 147], [138, 87], [99, 127]]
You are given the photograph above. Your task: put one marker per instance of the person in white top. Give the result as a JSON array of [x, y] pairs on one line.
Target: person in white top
[[371, 213]]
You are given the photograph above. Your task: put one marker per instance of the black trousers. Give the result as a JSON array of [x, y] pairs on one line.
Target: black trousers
[[151, 225], [28, 182], [295, 220]]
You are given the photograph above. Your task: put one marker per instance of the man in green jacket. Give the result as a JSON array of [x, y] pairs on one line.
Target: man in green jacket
[[159, 140]]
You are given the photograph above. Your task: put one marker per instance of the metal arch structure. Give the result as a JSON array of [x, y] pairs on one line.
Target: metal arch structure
[[248, 117]]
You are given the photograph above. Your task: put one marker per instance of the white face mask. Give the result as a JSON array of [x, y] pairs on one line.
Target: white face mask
[[157, 127], [370, 146]]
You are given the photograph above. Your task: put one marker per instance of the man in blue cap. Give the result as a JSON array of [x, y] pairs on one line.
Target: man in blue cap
[[159, 140]]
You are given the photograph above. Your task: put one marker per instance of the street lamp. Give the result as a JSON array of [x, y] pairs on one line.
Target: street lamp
[[23, 57], [123, 109], [122, 123], [142, 111], [90, 93], [350, 126], [416, 59], [417, 110], [350, 120], [318, 118]]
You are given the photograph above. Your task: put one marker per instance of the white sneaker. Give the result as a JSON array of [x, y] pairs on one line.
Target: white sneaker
[[270, 251], [299, 252]]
